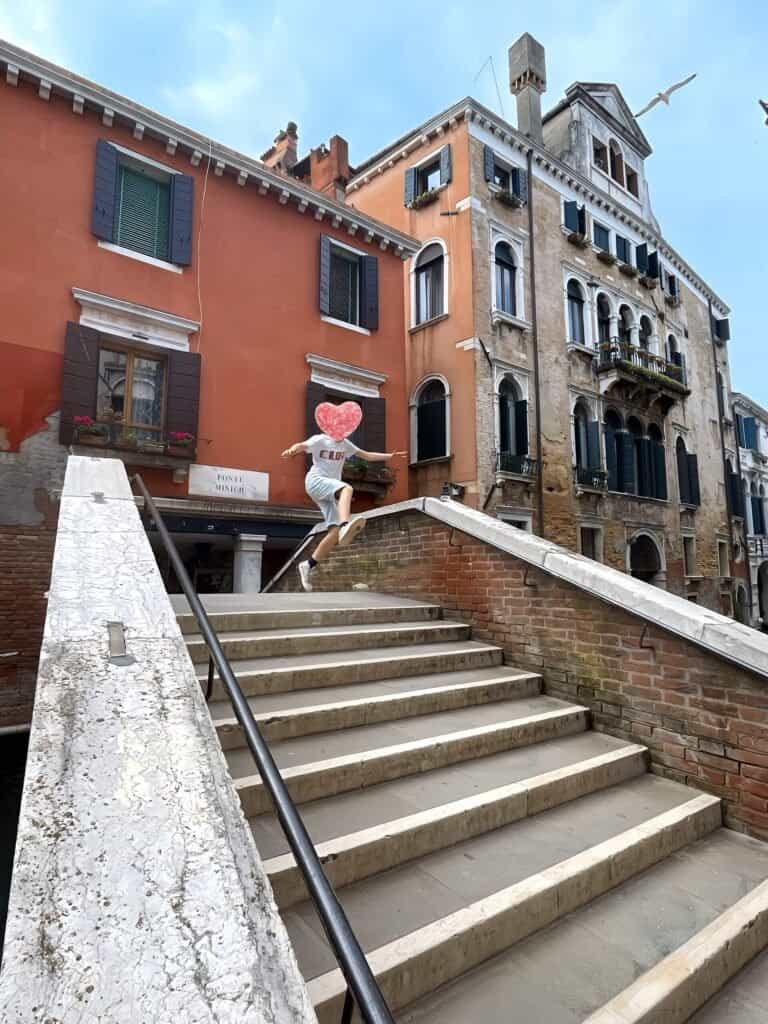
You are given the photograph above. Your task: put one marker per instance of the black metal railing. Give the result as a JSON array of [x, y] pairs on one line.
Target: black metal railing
[[361, 984], [522, 465], [596, 479]]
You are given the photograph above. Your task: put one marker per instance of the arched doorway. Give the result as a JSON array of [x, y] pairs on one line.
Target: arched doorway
[[645, 559], [742, 605]]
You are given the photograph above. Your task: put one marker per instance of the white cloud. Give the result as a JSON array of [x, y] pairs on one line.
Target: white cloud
[[34, 25]]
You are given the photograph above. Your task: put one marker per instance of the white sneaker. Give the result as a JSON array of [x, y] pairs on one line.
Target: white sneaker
[[304, 570], [348, 533]]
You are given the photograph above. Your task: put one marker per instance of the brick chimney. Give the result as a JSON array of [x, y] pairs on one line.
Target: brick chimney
[[329, 168], [527, 81], [282, 155]]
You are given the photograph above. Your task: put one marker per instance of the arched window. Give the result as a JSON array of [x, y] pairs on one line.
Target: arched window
[[637, 471], [576, 313], [506, 297], [758, 514], [580, 421], [658, 463], [626, 321], [429, 283], [761, 499], [431, 421], [614, 433], [646, 331], [617, 162], [603, 319], [673, 349], [687, 474], [513, 426]]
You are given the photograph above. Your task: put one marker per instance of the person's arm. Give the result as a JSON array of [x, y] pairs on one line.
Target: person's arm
[[379, 456], [295, 449]]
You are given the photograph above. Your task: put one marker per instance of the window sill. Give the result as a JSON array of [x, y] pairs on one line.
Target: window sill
[[429, 462], [162, 264], [498, 316], [688, 507], [427, 323], [583, 350], [426, 198], [133, 457], [638, 497], [345, 325]]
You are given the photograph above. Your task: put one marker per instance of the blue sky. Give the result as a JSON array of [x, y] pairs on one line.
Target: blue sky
[[238, 71]]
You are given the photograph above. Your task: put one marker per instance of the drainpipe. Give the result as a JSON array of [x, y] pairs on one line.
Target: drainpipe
[[535, 338], [488, 359], [725, 462]]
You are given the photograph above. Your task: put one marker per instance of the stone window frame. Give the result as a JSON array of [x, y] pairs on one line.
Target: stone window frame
[[521, 380], [582, 278], [413, 404], [509, 514], [594, 407], [414, 323], [632, 533], [498, 232], [599, 529]]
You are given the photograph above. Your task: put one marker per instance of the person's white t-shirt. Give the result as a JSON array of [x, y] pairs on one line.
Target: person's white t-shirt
[[328, 455]]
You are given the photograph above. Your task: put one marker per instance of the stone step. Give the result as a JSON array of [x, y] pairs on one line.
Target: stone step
[[370, 851], [275, 643], [319, 766], [744, 1000], [652, 951], [230, 612], [353, 711], [308, 671], [424, 924]]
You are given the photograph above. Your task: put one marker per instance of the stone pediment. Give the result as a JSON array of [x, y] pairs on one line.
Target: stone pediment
[[607, 102]]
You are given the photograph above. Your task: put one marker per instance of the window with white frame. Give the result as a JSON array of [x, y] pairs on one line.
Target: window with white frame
[[430, 420], [591, 542], [603, 319], [616, 162], [429, 277], [601, 236], [576, 323], [505, 270]]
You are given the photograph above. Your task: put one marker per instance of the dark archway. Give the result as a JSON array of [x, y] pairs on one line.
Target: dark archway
[[762, 592], [644, 559]]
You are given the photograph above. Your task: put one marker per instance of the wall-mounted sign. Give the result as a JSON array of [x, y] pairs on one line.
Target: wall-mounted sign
[[236, 484]]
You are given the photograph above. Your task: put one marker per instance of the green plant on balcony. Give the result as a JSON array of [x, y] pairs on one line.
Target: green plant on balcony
[[181, 444], [88, 431], [425, 198], [357, 469], [503, 195], [661, 379]]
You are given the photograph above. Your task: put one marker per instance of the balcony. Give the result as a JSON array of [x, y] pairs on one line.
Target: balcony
[[648, 377], [368, 477], [516, 465], [113, 436], [590, 479], [757, 545]]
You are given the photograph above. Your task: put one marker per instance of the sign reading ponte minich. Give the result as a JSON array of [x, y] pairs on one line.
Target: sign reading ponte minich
[[235, 484]]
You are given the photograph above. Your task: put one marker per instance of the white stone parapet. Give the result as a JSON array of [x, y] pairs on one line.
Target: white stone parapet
[[138, 894]]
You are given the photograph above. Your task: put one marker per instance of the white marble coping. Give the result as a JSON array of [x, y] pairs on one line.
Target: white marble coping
[[722, 636], [138, 893]]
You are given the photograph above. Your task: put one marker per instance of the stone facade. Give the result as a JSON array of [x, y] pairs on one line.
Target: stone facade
[[748, 454], [646, 354]]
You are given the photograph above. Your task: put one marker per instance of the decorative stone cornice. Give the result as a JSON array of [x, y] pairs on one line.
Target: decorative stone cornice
[[144, 123]]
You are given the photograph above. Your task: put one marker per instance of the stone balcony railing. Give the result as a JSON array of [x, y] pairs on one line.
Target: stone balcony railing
[[757, 545], [620, 354]]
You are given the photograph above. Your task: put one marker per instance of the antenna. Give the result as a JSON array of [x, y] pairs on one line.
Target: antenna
[[495, 81]]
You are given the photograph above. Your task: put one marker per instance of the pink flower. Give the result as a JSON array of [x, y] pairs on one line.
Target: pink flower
[[84, 421]]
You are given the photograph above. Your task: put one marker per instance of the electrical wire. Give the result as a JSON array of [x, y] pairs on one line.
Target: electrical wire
[[199, 236]]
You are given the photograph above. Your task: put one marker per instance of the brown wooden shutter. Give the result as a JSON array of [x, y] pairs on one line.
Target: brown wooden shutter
[[374, 424], [79, 380], [183, 394]]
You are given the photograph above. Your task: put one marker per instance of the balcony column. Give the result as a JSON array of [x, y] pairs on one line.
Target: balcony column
[[247, 569], [653, 343], [634, 335], [614, 328]]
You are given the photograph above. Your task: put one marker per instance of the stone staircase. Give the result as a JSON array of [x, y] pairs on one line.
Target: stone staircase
[[497, 860]]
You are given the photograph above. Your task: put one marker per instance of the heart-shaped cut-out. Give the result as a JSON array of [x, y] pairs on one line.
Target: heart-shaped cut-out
[[338, 421]]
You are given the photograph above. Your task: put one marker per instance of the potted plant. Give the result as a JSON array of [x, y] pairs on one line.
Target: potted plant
[[181, 444], [627, 270], [128, 439], [151, 446], [88, 431], [507, 198], [425, 198], [606, 257]]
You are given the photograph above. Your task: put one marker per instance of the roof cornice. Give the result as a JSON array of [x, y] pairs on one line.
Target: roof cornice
[[471, 110], [115, 109], [580, 91], [749, 403]]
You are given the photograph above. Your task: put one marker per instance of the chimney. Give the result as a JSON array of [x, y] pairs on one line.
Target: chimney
[[282, 156], [329, 168], [527, 81]]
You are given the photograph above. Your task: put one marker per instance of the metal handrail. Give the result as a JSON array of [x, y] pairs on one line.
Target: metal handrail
[[354, 966]]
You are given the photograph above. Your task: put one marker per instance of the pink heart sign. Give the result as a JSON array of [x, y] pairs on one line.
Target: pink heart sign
[[338, 421]]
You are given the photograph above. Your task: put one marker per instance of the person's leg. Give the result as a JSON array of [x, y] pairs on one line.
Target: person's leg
[[327, 544], [344, 498]]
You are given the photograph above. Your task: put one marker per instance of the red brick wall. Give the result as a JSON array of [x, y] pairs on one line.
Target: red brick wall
[[26, 556], [704, 720]]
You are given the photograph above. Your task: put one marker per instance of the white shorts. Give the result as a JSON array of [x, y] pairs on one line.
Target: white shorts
[[323, 490]]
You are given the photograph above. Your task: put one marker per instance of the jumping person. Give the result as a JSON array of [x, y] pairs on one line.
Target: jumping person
[[333, 497]]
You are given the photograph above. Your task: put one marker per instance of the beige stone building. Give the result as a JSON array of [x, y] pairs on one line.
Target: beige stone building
[[563, 357]]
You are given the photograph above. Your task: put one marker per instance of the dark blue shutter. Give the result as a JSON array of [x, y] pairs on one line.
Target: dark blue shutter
[[520, 184], [653, 264], [611, 460], [659, 471], [723, 329], [641, 258], [672, 285], [409, 189], [104, 192], [445, 165], [79, 381], [740, 431], [682, 476], [750, 432], [645, 466], [694, 496], [572, 216], [489, 163], [325, 275], [521, 427], [593, 445], [182, 201], [627, 482], [735, 502], [369, 298], [622, 249]]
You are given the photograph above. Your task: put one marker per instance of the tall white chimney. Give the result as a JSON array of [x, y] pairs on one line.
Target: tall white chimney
[[527, 81]]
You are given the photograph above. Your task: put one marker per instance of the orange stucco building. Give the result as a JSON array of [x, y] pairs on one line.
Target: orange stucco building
[[183, 307]]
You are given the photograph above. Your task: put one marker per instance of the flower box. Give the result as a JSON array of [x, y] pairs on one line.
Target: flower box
[[648, 282], [627, 270], [180, 451], [425, 199], [95, 440], [508, 198], [606, 257], [152, 447]]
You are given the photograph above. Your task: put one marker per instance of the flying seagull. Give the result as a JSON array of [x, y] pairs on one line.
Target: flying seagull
[[764, 105], [663, 97]]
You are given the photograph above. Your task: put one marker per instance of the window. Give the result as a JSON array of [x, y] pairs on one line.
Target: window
[[623, 250], [603, 319], [512, 181], [723, 558], [645, 334], [131, 392], [614, 450], [431, 421], [632, 182], [575, 219], [506, 299], [513, 426], [602, 237], [429, 283], [591, 542], [635, 454], [599, 155], [657, 464], [428, 176], [689, 555], [501, 177], [758, 510], [687, 475], [626, 322], [575, 313], [747, 430], [349, 285], [141, 207], [617, 162]]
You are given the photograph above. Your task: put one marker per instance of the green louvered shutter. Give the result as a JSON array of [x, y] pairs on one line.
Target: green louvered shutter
[[143, 214]]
